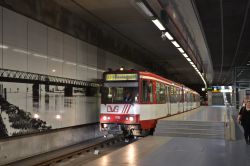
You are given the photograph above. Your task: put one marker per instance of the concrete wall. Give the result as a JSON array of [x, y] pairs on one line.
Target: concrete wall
[[19, 148]]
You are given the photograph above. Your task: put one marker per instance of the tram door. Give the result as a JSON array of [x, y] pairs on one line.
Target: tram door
[[168, 100]]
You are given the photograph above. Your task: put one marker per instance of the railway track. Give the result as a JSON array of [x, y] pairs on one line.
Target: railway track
[[95, 148], [90, 152]]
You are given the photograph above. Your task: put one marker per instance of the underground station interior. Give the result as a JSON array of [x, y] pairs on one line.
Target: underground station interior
[[124, 82]]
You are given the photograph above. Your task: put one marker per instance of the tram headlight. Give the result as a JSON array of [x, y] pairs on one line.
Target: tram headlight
[[131, 118], [105, 118]]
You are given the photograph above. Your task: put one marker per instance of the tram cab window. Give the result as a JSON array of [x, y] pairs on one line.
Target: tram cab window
[[147, 91], [119, 94]]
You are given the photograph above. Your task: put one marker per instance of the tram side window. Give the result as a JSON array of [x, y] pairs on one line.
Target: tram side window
[[147, 91], [160, 95], [167, 90], [173, 94]]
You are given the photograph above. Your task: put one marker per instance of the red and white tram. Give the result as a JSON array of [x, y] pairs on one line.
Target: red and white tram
[[132, 101]]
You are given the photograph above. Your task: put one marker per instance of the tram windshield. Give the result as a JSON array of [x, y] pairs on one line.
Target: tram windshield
[[119, 93]]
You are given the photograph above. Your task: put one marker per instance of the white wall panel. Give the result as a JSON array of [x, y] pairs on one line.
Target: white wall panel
[[92, 55], [81, 72], [14, 29], [15, 59], [37, 37], [99, 74], [81, 52], [1, 39], [37, 63], [69, 48], [55, 44], [55, 67], [91, 74], [101, 55], [69, 70]]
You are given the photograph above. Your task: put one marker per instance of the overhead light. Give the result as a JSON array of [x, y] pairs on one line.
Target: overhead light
[[191, 63], [185, 55], [58, 117], [181, 50], [169, 36], [158, 24], [175, 44], [142, 6], [36, 116], [189, 60]]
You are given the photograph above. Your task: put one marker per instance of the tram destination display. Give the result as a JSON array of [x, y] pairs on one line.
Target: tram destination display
[[121, 77]]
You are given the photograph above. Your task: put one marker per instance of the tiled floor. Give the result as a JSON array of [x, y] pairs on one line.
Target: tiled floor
[[182, 151]]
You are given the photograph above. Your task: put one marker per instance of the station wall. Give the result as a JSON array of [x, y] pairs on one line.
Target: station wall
[[27, 45]]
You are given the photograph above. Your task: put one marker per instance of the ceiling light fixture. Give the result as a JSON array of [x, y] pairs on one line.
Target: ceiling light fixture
[[189, 60], [158, 24], [175, 44], [185, 55], [169, 36], [181, 50]]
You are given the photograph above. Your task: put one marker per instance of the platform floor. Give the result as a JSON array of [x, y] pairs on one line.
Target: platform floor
[[203, 113], [181, 151]]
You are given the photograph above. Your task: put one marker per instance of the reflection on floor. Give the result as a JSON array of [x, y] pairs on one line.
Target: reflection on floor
[[207, 114], [182, 151]]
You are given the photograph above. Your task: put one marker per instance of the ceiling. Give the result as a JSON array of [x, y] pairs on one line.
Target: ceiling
[[124, 17], [126, 27], [226, 24]]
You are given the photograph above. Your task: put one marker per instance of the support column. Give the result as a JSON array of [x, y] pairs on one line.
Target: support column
[[35, 92], [68, 91]]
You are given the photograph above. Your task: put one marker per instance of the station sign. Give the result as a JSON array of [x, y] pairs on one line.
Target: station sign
[[121, 77], [217, 89]]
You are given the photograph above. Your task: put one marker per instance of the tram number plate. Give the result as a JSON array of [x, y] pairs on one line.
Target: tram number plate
[[117, 117]]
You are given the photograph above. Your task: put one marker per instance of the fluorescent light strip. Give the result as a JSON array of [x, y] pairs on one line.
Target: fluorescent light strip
[[181, 50], [158, 24], [142, 6], [57, 60], [21, 51], [4, 46], [169, 36], [188, 59], [185, 55], [175, 44], [191, 63], [39, 55]]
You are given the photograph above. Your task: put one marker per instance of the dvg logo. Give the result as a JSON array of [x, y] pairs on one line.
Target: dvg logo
[[110, 109]]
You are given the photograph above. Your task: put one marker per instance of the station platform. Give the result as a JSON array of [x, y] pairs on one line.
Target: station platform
[[182, 151]]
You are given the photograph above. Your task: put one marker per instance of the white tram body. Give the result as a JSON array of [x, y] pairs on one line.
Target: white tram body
[[133, 101]]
